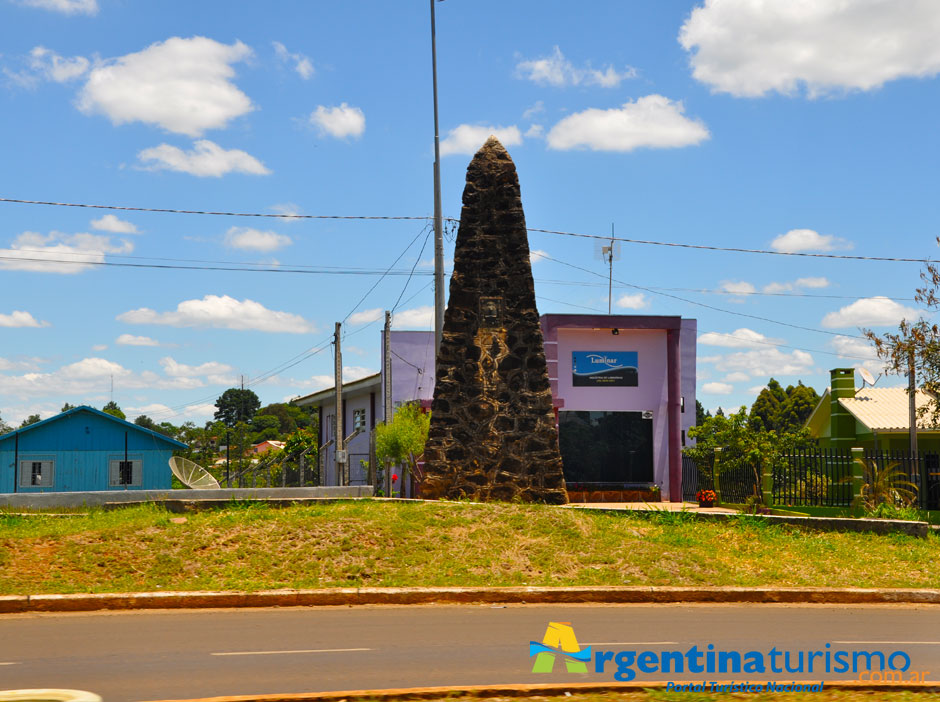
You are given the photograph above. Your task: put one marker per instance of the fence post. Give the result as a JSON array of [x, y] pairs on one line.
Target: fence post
[[716, 483], [767, 484], [858, 475]]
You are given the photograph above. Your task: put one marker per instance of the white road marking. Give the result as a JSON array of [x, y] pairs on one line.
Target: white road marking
[[271, 653], [13, 663], [924, 643]]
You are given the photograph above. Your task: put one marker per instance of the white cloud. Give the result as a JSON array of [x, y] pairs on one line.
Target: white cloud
[[764, 362], [99, 347], [812, 283], [19, 318], [652, 121], [205, 159], [339, 122], [717, 389], [222, 312], [48, 65], [468, 138], [870, 312], [110, 223], [537, 108], [740, 287], [287, 208], [557, 71], [89, 377], [737, 377], [29, 364], [182, 85], [216, 373], [131, 340], [751, 47], [798, 240], [366, 316], [66, 7], [248, 239], [850, 347], [535, 131], [536, 255], [350, 374], [45, 253], [743, 338], [417, 318], [302, 64], [635, 301], [755, 389]]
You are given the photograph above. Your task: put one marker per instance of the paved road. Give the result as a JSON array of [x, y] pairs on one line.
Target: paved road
[[179, 655]]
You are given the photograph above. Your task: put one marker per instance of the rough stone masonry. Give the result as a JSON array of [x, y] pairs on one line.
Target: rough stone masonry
[[493, 434]]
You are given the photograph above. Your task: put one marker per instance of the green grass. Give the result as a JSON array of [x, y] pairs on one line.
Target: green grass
[[371, 543]]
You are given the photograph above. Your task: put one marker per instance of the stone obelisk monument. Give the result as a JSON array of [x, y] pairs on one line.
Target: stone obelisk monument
[[493, 434]]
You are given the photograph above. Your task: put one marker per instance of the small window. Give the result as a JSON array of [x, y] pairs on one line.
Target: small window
[[125, 473], [359, 419], [683, 437], [682, 404], [37, 471]]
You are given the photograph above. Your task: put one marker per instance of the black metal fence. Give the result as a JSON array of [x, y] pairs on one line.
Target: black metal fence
[[922, 471], [822, 477], [814, 477]]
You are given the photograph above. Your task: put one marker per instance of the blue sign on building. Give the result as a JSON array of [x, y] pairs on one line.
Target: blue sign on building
[[604, 369]]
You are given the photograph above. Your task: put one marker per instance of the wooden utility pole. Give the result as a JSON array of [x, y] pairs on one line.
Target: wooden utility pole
[[911, 403], [387, 387], [340, 453]]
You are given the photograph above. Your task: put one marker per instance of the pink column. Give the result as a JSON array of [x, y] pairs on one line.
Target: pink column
[[673, 400]]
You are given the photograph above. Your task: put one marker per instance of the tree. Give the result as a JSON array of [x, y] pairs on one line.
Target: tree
[[265, 427], [113, 409], [700, 413], [67, 406], [744, 443], [236, 405], [290, 417], [767, 406], [4, 427], [915, 348], [165, 428], [403, 439], [31, 419], [801, 401]]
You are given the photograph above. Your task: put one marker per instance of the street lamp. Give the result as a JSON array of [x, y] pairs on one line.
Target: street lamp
[[438, 220]]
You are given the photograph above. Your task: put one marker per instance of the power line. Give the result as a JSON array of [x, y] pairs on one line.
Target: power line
[[604, 237], [702, 304], [731, 249], [167, 210]]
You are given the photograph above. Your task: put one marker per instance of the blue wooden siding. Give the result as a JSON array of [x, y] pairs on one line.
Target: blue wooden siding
[[82, 444]]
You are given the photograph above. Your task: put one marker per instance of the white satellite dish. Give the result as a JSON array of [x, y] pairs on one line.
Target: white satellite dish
[[866, 376], [192, 475]]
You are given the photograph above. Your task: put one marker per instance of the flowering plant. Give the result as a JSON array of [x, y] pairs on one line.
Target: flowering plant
[[394, 477], [706, 496]]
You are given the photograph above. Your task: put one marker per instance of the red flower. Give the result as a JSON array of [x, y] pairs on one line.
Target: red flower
[[394, 477]]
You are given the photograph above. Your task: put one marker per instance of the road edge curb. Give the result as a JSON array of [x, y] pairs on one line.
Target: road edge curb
[[88, 602]]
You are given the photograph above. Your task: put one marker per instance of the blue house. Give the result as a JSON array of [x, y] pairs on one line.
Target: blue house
[[85, 449]]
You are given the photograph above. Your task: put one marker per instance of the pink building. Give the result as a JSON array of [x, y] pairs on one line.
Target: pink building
[[623, 387]]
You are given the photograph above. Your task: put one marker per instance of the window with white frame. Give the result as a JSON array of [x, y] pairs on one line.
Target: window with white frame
[[359, 419], [37, 471], [125, 473]]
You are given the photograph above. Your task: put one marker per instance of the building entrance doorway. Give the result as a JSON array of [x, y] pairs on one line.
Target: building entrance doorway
[[606, 450]]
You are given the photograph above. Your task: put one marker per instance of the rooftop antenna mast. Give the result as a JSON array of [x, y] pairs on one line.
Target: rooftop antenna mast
[[609, 253]]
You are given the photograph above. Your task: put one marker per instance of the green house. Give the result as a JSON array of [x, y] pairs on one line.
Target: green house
[[869, 417]]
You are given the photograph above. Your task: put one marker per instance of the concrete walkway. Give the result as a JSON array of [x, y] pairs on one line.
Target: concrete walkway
[[654, 507]]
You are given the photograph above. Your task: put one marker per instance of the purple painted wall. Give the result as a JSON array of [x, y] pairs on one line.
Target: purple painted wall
[[412, 368]]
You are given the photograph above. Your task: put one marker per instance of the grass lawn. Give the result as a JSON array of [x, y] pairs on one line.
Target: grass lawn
[[372, 543]]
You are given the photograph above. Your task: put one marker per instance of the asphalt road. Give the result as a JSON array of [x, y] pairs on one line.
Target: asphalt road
[[180, 655]]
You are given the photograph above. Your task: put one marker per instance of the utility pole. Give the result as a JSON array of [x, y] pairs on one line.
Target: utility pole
[[610, 280], [338, 379], [911, 403], [438, 219], [387, 390]]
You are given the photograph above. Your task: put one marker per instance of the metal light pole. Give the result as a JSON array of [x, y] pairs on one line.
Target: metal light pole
[[438, 220]]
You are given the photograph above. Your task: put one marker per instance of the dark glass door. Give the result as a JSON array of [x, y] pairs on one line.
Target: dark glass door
[[613, 449]]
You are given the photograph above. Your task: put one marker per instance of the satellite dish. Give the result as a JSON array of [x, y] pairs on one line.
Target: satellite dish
[[866, 376], [192, 475]]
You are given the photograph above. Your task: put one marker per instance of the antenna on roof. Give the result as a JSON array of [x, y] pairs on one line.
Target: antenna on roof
[[867, 377], [608, 253]]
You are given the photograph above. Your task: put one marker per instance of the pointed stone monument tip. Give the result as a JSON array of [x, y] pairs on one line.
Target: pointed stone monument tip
[[493, 434]]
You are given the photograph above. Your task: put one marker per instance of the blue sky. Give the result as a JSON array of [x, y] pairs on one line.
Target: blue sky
[[786, 126]]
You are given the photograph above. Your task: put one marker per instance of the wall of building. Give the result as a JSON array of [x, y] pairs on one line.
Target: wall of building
[[81, 445], [412, 368], [358, 448]]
